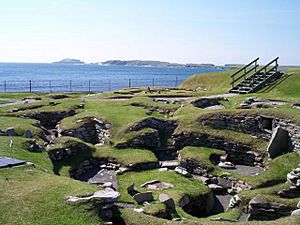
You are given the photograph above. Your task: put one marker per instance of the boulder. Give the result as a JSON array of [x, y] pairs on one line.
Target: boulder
[[278, 143], [140, 198], [28, 134], [182, 171], [296, 212], [169, 202], [11, 131], [130, 188]]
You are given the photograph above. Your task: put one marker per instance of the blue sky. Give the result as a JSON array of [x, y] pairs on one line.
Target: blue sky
[[196, 31]]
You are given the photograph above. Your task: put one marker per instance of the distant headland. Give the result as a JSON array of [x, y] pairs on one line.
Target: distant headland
[[141, 63], [69, 61], [152, 63]]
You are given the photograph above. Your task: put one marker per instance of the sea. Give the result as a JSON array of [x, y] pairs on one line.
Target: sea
[[49, 77]]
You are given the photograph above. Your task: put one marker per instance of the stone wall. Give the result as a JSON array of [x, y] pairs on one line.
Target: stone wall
[[148, 140], [258, 125], [92, 131], [49, 119], [71, 149], [237, 152]]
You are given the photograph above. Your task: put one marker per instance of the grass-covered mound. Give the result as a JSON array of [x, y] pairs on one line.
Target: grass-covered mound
[[126, 157], [30, 196], [20, 151], [202, 155], [182, 186], [214, 81]]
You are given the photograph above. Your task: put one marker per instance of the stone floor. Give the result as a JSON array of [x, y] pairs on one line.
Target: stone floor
[[247, 170], [10, 162]]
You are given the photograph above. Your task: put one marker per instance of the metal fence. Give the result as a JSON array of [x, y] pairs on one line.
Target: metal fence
[[48, 86]]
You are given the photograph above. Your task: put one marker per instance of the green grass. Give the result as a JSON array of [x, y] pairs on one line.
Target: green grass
[[201, 155], [181, 184], [19, 151], [217, 82], [20, 125], [276, 171], [125, 157], [29, 196]]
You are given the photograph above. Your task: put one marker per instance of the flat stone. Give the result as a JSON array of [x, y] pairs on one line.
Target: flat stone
[[107, 195], [278, 143], [140, 198], [215, 187], [171, 164], [10, 162], [182, 171]]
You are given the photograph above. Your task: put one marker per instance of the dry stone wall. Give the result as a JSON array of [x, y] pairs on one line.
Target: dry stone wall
[[258, 125], [237, 152], [93, 131]]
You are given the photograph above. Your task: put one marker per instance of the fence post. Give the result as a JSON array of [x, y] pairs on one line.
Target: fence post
[[129, 83], [30, 87], [109, 85], [89, 86], [5, 86], [153, 84], [70, 85], [50, 86]]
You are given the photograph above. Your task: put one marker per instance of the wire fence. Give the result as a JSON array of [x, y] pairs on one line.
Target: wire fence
[[49, 86]]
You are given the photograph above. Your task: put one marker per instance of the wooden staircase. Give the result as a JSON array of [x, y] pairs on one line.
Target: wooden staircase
[[251, 78]]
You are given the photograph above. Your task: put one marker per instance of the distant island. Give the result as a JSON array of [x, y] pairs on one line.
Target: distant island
[[150, 63], [70, 61]]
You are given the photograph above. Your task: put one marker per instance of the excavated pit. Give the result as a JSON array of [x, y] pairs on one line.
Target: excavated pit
[[91, 130]]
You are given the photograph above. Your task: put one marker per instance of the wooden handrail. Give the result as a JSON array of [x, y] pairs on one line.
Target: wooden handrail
[[236, 79], [274, 60], [249, 64]]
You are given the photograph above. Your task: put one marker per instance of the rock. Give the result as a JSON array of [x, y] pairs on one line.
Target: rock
[[28, 134], [298, 205], [294, 178], [224, 158], [261, 208], [107, 195], [278, 143], [140, 198], [11, 131], [234, 201], [169, 202], [223, 219], [130, 188], [149, 183], [226, 165], [296, 106], [185, 200], [163, 169], [226, 183], [138, 210], [169, 164], [215, 187], [107, 185], [296, 212], [182, 171]]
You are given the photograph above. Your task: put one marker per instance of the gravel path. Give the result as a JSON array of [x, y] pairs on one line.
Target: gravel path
[[247, 170]]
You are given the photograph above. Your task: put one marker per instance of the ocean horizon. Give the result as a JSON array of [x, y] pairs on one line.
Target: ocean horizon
[[49, 77]]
